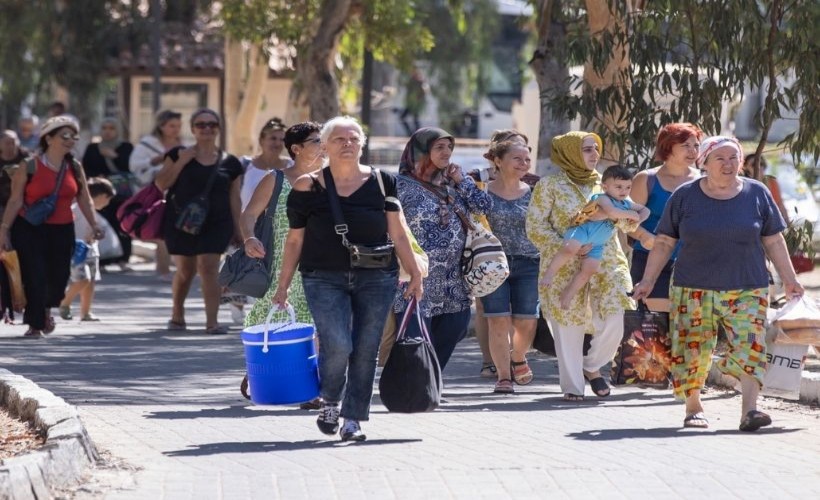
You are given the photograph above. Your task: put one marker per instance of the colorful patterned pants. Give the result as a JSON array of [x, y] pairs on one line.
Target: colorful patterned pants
[[694, 319]]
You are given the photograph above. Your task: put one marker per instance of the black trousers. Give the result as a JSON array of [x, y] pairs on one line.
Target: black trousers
[[45, 263]]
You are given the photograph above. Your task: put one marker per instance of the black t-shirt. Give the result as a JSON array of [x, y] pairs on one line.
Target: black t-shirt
[[363, 212], [6, 166]]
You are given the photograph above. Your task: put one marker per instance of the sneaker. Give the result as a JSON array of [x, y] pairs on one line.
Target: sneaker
[[65, 312], [237, 314], [328, 421], [351, 431]]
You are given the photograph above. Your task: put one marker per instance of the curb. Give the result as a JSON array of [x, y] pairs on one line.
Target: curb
[[63, 458], [809, 384]]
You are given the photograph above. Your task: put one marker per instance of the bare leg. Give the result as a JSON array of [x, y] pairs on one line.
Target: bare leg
[[523, 335], [186, 270], [750, 388], [588, 268], [86, 298], [568, 250], [163, 258], [500, 327], [74, 289], [207, 265]]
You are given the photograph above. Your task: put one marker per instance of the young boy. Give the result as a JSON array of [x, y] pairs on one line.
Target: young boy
[[607, 208], [84, 274]]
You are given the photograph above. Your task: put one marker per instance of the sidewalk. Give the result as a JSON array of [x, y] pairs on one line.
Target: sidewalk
[[166, 410]]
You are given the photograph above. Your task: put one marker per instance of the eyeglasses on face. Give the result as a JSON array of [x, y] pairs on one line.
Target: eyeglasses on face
[[204, 125], [68, 136]]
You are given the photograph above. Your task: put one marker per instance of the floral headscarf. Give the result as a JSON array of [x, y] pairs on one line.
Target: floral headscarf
[[713, 143], [566, 153], [419, 145]]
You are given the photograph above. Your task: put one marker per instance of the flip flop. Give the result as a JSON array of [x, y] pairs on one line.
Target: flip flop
[[696, 420], [217, 330], [176, 326], [599, 386], [754, 420]]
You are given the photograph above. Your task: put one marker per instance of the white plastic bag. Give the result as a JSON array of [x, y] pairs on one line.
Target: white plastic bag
[[797, 322], [785, 370]]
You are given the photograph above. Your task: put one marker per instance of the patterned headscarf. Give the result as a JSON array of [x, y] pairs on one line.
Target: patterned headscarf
[[419, 145], [712, 143], [566, 153]]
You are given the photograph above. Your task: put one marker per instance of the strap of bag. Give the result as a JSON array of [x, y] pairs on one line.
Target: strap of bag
[[31, 167], [212, 177], [277, 190], [339, 225], [412, 306], [465, 222], [151, 147]]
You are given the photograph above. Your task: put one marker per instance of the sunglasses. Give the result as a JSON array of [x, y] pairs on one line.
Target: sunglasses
[[204, 125], [68, 136], [315, 140]]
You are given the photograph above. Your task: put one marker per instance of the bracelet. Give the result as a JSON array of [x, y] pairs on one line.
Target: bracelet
[[249, 239]]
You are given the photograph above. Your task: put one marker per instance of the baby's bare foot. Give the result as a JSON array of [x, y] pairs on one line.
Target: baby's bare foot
[[565, 299], [546, 281]]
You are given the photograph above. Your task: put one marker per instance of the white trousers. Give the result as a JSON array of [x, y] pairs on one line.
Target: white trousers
[[569, 348]]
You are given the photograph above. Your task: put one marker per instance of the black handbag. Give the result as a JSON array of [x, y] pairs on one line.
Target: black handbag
[[411, 378], [644, 356], [248, 275], [191, 217], [378, 256]]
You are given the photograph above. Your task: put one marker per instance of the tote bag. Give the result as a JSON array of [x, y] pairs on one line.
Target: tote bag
[[644, 356], [411, 378]]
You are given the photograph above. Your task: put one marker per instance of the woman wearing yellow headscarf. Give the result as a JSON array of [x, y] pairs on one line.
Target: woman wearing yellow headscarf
[[599, 307]]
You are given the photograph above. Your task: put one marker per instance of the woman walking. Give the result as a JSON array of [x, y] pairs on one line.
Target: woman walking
[[187, 174], [599, 307], [727, 225], [349, 304]]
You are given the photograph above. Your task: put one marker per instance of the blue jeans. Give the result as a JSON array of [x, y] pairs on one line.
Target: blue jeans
[[349, 309], [446, 330]]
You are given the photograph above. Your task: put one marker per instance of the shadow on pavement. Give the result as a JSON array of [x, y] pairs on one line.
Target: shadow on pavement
[[264, 447], [236, 411], [668, 432]]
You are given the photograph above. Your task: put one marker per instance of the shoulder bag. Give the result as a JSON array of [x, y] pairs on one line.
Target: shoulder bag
[[191, 217], [40, 210], [378, 256], [247, 275]]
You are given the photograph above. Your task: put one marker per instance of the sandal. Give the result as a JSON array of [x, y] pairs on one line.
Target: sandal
[[89, 317], [573, 397], [217, 330], [176, 326], [696, 420], [754, 420], [599, 387], [521, 372], [50, 325], [33, 334], [487, 371], [504, 386]]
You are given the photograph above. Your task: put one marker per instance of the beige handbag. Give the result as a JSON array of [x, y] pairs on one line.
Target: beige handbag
[[12, 265]]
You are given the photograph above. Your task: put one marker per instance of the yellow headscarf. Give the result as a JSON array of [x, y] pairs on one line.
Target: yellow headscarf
[[566, 153]]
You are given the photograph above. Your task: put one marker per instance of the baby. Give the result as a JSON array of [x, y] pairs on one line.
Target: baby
[[606, 209]]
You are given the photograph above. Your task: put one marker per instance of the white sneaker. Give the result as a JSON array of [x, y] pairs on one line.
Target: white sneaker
[[352, 431], [237, 314]]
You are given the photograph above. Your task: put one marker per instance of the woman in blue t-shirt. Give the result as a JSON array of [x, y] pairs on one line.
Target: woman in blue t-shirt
[[727, 225], [677, 147]]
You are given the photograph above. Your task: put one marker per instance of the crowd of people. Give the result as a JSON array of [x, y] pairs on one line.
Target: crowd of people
[[559, 235]]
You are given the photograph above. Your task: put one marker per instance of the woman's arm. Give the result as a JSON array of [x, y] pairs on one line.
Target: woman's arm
[[778, 253], [236, 209], [658, 257], [396, 229], [290, 258], [640, 196], [19, 178], [247, 221], [478, 202], [171, 169]]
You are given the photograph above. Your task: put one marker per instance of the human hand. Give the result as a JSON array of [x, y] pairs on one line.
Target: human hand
[[157, 159], [647, 240], [280, 298], [5, 241], [97, 234], [584, 250], [414, 288], [642, 290], [793, 290], [633, 215], [186, 155], [108, 153], [454, 172], [254, 248]]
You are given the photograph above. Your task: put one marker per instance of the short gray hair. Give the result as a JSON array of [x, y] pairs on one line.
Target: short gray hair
[[341, 121]]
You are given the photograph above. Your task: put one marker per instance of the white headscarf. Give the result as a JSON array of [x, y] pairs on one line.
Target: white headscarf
[[712, 143]]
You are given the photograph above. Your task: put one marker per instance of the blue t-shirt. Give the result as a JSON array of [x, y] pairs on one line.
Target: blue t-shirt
[[508, 222], [721, 246]]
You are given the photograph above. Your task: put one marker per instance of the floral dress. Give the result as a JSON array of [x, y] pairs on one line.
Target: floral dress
[[555, 201], [296, 295]]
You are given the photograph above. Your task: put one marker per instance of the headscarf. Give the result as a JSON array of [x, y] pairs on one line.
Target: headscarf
[[419, 145], [113, 144], [712, 143], [566, 153]]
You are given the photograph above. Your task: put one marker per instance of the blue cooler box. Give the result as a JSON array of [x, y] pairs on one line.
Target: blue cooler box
[[281, 361]]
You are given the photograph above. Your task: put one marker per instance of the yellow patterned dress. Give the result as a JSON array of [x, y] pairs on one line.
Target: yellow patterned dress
[[555, 201]]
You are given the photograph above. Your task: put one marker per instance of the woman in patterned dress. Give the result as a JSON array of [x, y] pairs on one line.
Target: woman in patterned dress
[[600, 306], [303, 144], [431, 190]]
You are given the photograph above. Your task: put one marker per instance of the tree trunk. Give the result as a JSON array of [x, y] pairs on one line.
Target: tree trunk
[[314, 85], [243, 99], [601, 19], [552, 75]]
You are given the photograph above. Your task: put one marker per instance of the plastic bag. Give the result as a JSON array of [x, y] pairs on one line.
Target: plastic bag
[[797, 322]]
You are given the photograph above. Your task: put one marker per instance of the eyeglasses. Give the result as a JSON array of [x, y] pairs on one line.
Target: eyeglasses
[[68, 136], [204, 125], [315, 140]]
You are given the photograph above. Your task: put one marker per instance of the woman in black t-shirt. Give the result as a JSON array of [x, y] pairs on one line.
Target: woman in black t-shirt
[[349, 304], [185, 174]]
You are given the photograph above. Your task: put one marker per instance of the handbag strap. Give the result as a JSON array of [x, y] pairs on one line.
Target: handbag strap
[[212, 177], [277, 190], [412, 306], [447, 199], [339, 225]]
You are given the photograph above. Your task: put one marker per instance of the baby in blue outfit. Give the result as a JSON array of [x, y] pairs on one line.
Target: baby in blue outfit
[[589, 237]]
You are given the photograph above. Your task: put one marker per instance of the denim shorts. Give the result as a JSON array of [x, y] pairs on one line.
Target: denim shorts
[[518, 295]]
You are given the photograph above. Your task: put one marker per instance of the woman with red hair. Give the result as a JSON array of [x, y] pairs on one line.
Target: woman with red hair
[[677, 148]]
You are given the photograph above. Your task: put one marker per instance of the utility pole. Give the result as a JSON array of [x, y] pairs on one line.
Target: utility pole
[[156, 49], [367, 90]]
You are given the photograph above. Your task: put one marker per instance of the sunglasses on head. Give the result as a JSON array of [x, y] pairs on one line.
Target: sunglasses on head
[[68, 136], [204, 125]]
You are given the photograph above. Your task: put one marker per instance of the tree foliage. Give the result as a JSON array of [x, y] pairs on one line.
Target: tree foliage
[[689, 57]]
